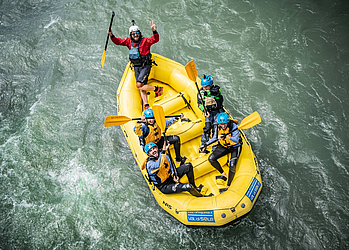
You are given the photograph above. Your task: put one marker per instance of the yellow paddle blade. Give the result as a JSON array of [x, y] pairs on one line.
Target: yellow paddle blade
[[159, 116], [103, 58], [250, 121], [116, 120], [191, 70]]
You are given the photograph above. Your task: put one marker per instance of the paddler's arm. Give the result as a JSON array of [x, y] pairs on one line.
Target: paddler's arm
[[155, 37], [215, 135], [234, 136], [172, 120], [118, 41], [216, 92]]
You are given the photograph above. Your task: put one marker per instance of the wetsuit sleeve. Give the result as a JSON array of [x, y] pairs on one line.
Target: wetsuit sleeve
[[153, 39], [220, 100], [147, 42], [216, 91], [235, 136], [170, 121], [121, 41], [215, 135]]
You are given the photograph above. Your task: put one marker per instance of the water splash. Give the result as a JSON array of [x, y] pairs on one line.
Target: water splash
[[53, 20]]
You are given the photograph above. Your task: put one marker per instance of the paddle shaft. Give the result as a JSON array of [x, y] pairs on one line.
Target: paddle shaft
[[116, 120], [111, 22], [202, 101], [169, 155], [168, 116]]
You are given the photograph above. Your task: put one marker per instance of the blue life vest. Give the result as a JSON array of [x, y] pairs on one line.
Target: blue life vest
[[134, 51]]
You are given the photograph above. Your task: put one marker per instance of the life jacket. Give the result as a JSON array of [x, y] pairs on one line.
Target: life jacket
[[154, 134], [161, 174], [226, 142], [213, 98], [210, 103], [136, 58]]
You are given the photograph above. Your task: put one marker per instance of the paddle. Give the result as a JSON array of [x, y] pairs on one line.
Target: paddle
[[248, 122], [106, 44], [161, 121], [192, 74], [118, 120]]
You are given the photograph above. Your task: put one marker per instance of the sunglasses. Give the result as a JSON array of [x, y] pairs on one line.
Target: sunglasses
[[135, 33]]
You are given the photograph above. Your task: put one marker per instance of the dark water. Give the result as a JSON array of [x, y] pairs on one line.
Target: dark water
[[66, 182]]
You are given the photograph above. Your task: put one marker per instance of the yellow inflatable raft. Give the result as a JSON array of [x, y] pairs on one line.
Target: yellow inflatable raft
[[180, 96]]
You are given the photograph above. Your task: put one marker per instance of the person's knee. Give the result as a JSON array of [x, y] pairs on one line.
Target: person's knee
[[176, 139], [189, 166], [211, 158], [139, 85], [233, 163]]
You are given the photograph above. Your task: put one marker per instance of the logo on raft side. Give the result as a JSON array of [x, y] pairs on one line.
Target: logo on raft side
[[200, 216]]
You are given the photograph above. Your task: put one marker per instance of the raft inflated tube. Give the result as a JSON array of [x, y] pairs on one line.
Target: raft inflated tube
[[174, 104]]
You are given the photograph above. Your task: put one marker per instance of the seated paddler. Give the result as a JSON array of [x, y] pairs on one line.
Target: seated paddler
[[165, 176], [229, 142], [148, 131]]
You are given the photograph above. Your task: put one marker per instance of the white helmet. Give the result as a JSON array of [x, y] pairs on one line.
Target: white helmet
[[133, 28]]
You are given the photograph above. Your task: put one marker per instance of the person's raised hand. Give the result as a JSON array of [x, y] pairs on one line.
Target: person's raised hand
[[152, 25]]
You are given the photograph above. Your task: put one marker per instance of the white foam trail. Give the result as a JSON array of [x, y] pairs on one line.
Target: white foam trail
[[55, 20]]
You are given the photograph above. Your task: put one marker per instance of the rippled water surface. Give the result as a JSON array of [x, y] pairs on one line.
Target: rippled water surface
[[66, 182]]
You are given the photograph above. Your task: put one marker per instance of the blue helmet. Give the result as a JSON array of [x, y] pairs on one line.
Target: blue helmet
[[149, 146], [223, 118], [206, 80], [148, 113]]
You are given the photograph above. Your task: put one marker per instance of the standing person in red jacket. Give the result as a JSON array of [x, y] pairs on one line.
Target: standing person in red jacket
[[140, 57]]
